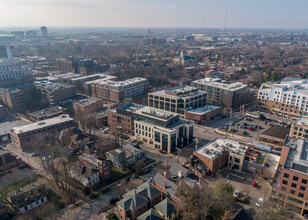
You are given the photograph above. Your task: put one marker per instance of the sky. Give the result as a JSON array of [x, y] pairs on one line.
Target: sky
[[155, 13]]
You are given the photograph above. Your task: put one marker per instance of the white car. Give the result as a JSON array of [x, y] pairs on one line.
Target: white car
[[236, 193], [260, 202]]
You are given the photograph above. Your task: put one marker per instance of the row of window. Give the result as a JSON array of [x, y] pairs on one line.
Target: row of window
[[293, 192]]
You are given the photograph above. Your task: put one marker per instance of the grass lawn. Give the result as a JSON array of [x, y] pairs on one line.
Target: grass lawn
[[115, 174], [13, 187]]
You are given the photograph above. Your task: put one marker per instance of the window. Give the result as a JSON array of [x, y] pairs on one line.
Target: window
[[293, 185], [286, 175], [301, 195], [284, 182], [295, 178], [283, 188], [304, 181], [236, 160], [292, 191], [302, 188]]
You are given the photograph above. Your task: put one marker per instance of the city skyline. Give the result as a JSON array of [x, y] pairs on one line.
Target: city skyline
[[137, 13]]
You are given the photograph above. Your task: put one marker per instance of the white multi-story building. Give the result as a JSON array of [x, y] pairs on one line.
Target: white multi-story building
[[13, 71], [287, 98]]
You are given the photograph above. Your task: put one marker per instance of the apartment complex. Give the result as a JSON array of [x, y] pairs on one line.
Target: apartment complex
[[164, 130], [14, 71], [55, 92], [231, 96], [117, 91], [178, 99], [24, 136], [222, 153], [299, 128], [18, 98], [287, 98], [76, 65], [5, 51], [290, 185]]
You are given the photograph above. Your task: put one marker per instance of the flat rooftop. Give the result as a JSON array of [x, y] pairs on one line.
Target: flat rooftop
[[179, 92], [87, 101], [203, 110], [51, 85], [6, 127], [100, 76], [218, 147], [276, 132], [47, 112], [112, 83], [41, 124], [232, 86], [297, 158]]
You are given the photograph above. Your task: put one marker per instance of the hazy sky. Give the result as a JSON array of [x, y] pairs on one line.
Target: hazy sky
[[155, 13]]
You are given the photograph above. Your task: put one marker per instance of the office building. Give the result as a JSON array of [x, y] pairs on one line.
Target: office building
[[287, 98], [231, 96], [14, 71], [65, 66], [178, 99], [117, 91], [164, 130], [5, 51], [44, 31], [299, 128], [222, 153], [25, 136], [291, 182], [54, 93]]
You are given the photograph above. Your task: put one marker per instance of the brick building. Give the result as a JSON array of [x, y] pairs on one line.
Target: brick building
[[8, 161], [138, 201], [274, 135], [203, 114], [25, 136], [291, 182], [88, 105], [222, 153]]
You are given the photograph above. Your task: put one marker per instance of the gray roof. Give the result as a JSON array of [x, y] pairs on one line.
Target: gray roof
[[28, 194], [175, 168], [151, 214], [165, 207], [171, 187], [137, 197]]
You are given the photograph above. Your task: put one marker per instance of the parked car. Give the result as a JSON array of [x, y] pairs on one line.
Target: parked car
[[105, 131], [34, 154], [260, 202], [236, 193]]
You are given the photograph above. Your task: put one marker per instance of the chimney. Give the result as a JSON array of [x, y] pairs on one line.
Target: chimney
[[165, 174]]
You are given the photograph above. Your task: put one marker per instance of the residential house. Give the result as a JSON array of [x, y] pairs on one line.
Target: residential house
[[97, 163], [8, 161], [166, 208], [85, 175], [151, 214], [28, 197], [138, 201]]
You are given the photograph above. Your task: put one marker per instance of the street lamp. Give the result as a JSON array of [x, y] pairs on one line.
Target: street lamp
[[197, 142]]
